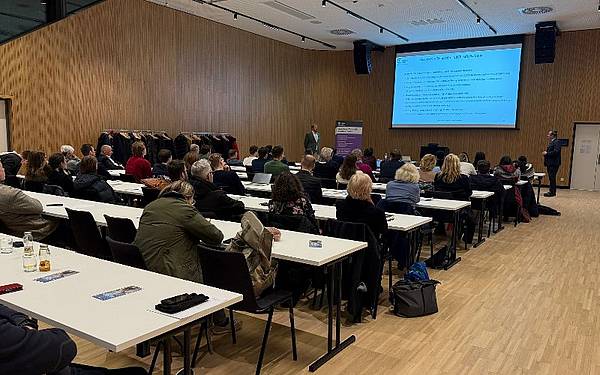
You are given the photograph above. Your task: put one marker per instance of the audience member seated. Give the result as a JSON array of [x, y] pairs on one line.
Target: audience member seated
[[204, 152], [105, 159], [169, 232], [484, 181], [347, 170], [189, 159], [525, 168], [288, 198], [275, 166], [311, 184], [479, 155], [208, 197], [389, 167], [177, 171], [58, 175], [160, 169], [427, 169], [233, 159], [12, 163], [21, 213], [24, 156], [26, 350], [88, 185], [253, 155], [338, 159], [37, 172], [439, 156], [358, 206], [405, 187], [507, 172], [224, 177], [137, 166], [362, 166], [195, 148], [369, 159], [451, 180], [72, 160], [258, 165], [465, 166], [326, 167]]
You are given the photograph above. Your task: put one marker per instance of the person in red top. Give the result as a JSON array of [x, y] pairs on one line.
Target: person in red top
[[137, 166], [361, 165]]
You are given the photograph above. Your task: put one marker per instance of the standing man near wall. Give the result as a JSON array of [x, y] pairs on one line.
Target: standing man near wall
[[552, 161], [312, 140]]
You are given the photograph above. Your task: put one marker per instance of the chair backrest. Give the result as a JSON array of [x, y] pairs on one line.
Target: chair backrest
[[250, 172], [443, 194], [298, 223], [375, 198], [397, 207], [127, 254], [328, 183], [14, 181], [35, 186], [53, 190], [228, 270], [86, 234], [120, 229], [150, 195], [127, 178]]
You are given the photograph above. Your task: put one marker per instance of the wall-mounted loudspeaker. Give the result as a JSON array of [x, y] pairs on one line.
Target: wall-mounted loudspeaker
[[362, 56], [545, 42]]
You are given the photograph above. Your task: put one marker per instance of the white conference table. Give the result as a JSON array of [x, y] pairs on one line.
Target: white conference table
[[114, 324], [293, 247], [116, 172]]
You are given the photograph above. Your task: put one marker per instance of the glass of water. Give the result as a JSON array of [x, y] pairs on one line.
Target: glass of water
[[6, 245]]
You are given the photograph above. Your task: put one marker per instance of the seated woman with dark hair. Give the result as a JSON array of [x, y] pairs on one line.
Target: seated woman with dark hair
[[479, 155], [369, 158], [37, 172], [88, 185], [288, 198], [358, 206], [347, 170], [506, 171], [59, 176]]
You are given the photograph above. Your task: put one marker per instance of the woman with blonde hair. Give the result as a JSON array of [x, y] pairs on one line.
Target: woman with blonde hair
[[405, 187], [427, 168], [358, 206], [451, 180]]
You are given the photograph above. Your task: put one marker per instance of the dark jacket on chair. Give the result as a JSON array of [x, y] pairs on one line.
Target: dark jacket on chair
[[229, 181], [92, 187], [326, 170], [359, 211], [209, 198], [312, 186]]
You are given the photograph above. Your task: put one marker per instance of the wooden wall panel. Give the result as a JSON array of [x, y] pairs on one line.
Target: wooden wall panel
[[552, 96], [136, 65]]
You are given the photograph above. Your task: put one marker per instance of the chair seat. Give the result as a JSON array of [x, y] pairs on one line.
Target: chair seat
[[272, 297]]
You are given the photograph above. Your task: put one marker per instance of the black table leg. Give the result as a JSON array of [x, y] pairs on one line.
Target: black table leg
[[451, 258], [187, 339], [539, 187], [480, 238], [335, 282], [167, 356], [500, 216]]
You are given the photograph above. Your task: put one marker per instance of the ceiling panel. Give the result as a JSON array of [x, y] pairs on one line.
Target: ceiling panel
[[417, 20]]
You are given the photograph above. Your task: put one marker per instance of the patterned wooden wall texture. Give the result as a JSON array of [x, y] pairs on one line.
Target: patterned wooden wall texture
[[133, 64]]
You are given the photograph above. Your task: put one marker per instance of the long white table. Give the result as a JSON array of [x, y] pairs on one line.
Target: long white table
[[68, 304], [294, 247]]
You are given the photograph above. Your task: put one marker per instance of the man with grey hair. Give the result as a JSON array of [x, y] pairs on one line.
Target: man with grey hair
[[326, 167], [209, 198], [106, 160]]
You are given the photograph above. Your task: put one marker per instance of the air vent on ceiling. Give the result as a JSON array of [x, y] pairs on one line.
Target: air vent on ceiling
[[425, 22], [341, 32], [289, 10], [316, 22], [535, 10]]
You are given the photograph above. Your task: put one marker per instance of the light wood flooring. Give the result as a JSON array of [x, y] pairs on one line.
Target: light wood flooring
[[524, 302]]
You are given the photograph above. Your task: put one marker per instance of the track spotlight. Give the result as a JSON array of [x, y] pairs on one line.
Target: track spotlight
[[324, 3], [303, 39], [478, 19], [380, 30], [235, 16]]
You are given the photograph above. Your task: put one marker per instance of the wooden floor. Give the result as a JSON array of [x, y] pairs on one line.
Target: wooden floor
[[525, 302]]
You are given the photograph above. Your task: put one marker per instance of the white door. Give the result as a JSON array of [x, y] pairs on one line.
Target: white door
[[3, 127], [586, 158]]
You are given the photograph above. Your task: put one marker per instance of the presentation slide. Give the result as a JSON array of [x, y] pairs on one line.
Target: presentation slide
[[474, 87]]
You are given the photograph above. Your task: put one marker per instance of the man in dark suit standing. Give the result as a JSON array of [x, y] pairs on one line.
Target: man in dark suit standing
[[552, 161], [311, 184], [312, 140]]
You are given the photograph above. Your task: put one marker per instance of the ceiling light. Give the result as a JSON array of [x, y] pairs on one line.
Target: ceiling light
[[532, 11], [235, 16], [380, 30], [324, 3], [478, 19], [303, 39]]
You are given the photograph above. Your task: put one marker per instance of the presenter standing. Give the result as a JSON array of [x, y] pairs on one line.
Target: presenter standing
[[552, 161], [312, 140]]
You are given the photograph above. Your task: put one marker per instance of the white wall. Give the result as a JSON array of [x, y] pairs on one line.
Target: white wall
[[3, 127]]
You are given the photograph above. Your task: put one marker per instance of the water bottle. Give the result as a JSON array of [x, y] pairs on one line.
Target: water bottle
[[29, 260], [44, 258]]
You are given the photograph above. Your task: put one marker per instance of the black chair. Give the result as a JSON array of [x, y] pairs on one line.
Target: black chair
[[250, 172], [327, 183], [126, 253], [35, 186], [150, 195], [14, 181], [88, 239], [53, 190], [120, 229], [229, 271], [127, 178]]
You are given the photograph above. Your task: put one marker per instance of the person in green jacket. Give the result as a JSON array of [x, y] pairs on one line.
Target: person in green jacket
[[275, 167], [169, 231]]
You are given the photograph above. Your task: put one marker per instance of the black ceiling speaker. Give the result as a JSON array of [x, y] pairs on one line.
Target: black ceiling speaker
[[362, 55], [545, 42]]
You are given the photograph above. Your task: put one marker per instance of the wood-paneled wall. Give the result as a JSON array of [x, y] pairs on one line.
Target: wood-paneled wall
[[133, 64]]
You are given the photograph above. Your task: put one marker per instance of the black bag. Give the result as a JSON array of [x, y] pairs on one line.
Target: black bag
[[545, 210], [415, 298], [181, 302]]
